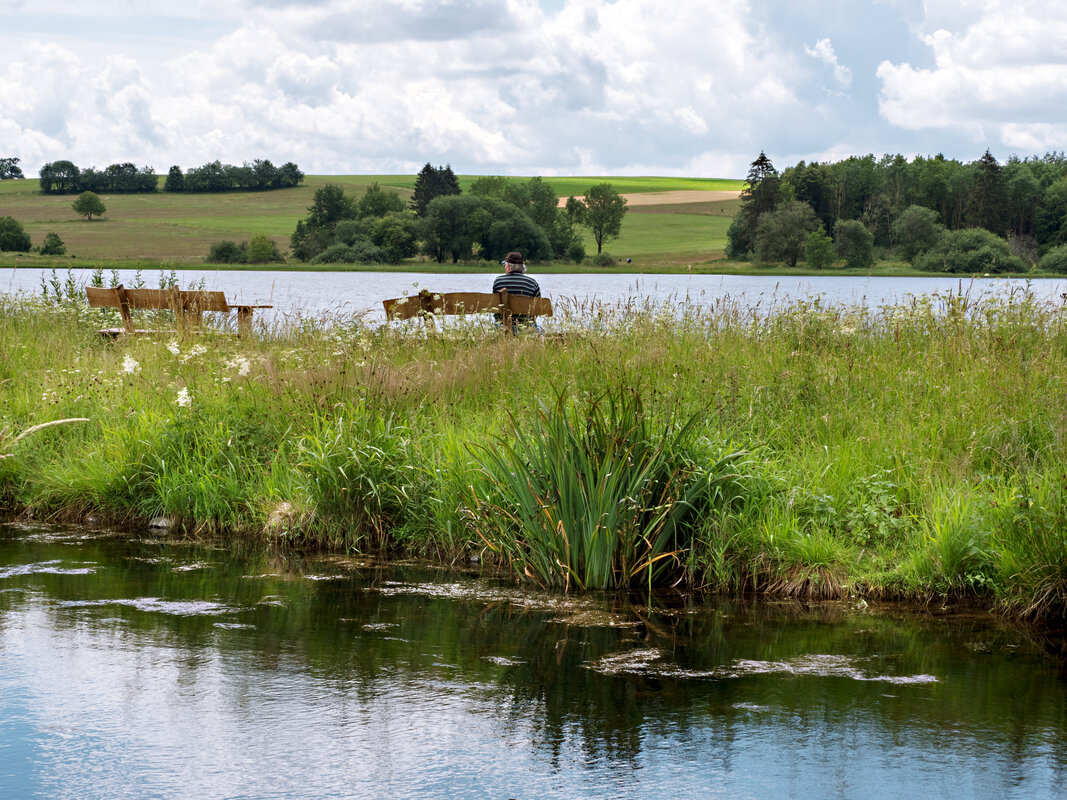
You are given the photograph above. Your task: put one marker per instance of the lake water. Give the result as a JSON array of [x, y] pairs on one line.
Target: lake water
[[315, 293], [133, 667]]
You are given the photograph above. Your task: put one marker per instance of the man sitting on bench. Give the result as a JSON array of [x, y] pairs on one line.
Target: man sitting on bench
[[516, 281]]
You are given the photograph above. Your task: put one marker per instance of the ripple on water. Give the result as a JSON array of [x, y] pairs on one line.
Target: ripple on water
[[181, 608], [45, 568], [648, 661]]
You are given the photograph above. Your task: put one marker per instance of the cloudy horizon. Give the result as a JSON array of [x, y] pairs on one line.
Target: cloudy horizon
[[529, 87]]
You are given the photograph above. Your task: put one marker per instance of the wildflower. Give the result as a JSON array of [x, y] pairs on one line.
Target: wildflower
[[184, 400], [130, 365], [241, 364], [173, 347]]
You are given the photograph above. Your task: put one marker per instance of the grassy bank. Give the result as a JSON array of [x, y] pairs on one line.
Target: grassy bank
[[912, 451]]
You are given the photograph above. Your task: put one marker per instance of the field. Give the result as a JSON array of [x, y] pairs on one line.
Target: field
[[178, 229]]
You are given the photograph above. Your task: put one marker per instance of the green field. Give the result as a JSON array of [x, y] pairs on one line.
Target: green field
[[178, 229]]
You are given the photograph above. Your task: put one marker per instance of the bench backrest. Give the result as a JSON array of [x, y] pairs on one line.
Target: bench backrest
[[467, 303], [190, 305]]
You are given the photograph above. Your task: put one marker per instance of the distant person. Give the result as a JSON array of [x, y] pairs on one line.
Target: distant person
[[517, 282]]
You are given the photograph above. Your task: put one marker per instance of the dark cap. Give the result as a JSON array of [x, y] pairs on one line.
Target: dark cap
[[514, 258]]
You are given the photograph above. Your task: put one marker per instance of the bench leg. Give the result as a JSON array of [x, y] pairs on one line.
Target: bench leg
[[244, 322]]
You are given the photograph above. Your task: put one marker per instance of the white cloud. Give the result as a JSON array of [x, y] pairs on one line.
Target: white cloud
[[999, 72], [824, 51], [384, 85]]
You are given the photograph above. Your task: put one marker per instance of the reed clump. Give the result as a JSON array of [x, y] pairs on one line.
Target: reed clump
[[913, 449]]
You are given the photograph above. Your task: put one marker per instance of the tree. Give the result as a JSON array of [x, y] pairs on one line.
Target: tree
[[819, 249], [175, 180], [601, 212], [916, 231], [781, 234], [985, 206], [377, 202], [53, 245], [227, 252], [13, 236], [10, 169], [87, 204], [854, 243], [433, 182], [60, 177], [761, 195], [1055, 260], [330, 205]]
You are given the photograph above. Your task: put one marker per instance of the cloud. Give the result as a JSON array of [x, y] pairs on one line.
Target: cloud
[[999, 72], [824, 51], [493, 86]]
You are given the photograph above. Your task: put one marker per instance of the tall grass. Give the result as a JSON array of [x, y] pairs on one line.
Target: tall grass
[[589, 495], [916, 448]]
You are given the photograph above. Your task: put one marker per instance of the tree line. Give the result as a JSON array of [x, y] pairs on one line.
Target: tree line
[[938, 213], [65, 177], [496, 216]]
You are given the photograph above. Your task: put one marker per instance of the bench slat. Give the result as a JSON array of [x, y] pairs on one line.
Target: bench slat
[[465, 303]]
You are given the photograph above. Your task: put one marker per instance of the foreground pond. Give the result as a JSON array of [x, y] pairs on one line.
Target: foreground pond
[[142, 668]]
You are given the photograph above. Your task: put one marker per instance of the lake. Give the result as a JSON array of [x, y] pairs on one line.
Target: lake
[[315, 293], [133, 666]]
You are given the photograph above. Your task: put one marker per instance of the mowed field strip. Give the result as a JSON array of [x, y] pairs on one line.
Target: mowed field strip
[[670, 220]]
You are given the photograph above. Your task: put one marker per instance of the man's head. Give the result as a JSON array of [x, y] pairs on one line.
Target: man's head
[[514, 263]]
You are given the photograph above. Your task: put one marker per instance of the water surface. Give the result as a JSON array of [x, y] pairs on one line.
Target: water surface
[[134, 667], [313, 292]]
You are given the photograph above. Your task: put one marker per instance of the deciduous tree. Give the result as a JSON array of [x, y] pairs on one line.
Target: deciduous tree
[[602, 211], [13, 236], [89, 204]]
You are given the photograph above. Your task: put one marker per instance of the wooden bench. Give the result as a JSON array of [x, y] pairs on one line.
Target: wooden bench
[[188, 307], [508, 306]]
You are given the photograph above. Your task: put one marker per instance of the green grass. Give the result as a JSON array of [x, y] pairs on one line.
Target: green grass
[[912, 451]]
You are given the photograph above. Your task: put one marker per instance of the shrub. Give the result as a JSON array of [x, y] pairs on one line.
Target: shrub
[[970, 251], [361, 251], [819, 249], [917, 230], [1055, 260], [604, 260], [227, 252], [262, 250], [782, 234], [854, 243], [53, 245], [13, 236], [576, 252]]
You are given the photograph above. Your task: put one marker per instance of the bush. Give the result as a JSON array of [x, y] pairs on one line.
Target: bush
[[604, 260], [227, 252], [13, 236], [916, 231], [53, 245], [970, 251], [854, 243], [576, 252], [262, 250], [819, 249], [1055, 260], [362, 251], [782, 234]]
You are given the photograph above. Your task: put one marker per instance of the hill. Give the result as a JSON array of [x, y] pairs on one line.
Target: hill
[[668, 225]]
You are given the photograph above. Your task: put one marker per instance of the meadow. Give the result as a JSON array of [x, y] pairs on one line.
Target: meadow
[[177, 230], [914, 451]]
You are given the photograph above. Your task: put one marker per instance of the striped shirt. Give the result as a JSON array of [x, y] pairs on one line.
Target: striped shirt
[[518, 283]]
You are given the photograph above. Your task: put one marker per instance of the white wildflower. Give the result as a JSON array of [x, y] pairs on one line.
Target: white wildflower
[[130, 365], [241, 364], [174, 349], [198, 350], [184, 400]]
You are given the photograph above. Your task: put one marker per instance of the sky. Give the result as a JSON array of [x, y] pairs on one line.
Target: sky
[[528, 87]]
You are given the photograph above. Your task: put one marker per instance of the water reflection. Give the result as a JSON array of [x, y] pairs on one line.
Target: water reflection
[[188, 670]]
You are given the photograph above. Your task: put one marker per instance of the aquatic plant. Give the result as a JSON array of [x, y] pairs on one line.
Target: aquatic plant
[[589, 496]]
